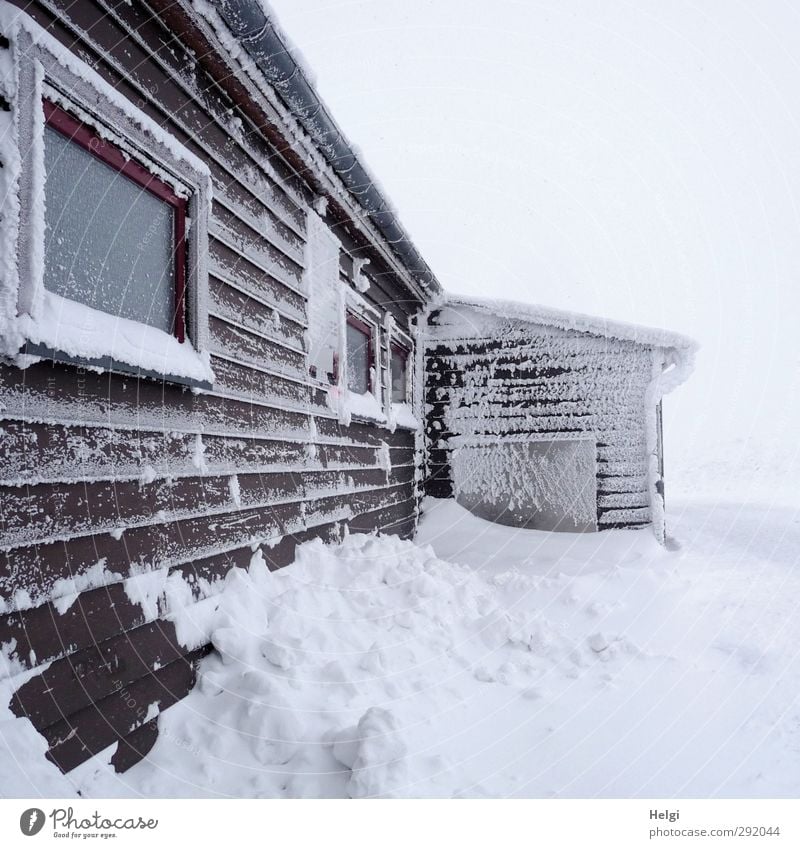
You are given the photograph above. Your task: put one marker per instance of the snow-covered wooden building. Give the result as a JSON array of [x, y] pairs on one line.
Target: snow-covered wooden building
[[211, 347], [546, 419], [206, 310]]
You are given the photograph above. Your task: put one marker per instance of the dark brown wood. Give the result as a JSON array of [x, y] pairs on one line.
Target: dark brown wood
[[229, 302], [135, 746], [89, 675], [246, 346], [85, 733], [38, 514], [34, 452], [42, 633], [245, 273]]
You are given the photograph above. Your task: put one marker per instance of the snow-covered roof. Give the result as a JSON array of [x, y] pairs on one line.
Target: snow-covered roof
[[257, 33], [567, 320]]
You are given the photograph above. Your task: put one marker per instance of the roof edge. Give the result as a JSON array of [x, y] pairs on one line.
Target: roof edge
[[255, 28], [567, 320]]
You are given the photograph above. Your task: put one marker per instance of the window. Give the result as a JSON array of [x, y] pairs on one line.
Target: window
[[359, 355], [109, 226], [399, 366], [114, 233]]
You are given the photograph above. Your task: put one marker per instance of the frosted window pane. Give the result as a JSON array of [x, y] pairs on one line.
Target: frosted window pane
[[398, 377], [357, 360], [108, 242]]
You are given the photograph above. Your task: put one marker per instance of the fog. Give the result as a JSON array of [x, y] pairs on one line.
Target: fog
[[639, 161]]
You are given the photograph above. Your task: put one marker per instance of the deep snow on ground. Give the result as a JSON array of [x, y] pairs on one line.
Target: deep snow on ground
[[546, 665]]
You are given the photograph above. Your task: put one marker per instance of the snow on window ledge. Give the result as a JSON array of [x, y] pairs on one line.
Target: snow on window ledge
[[363, 406], [402, 415], [88, 336]]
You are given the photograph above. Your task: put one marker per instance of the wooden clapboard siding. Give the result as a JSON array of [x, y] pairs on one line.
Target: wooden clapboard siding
[[523, 379], [36, 453], [91, 674], [132, 748], [44, 570], [46, 512], [107, 478], [48, 632], [89, 731], [230, 303]]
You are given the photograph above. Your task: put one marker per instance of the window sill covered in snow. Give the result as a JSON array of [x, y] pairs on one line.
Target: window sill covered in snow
[[403, 416], [68, 331], [361, 406], [366, 407]]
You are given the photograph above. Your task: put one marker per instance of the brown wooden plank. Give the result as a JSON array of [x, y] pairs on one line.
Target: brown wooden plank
[[87, 732], [34, 452], [86, 676], [37, 568], [386, 290], [135, 746], [42, 633], [247, 347], [395, 519], [350, 506], [229, 302], [252, 243], [367, 434], [74, 395], [264, 387], [35, 514], [239, 269]]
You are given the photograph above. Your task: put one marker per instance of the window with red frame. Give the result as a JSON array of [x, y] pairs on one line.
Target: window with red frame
[[114, 232], [399, 365], [359, 355]]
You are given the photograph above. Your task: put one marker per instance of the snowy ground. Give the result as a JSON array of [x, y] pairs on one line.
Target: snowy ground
[[545, 665]]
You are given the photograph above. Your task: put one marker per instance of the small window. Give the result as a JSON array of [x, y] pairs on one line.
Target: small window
[[114, 233], [399, 374], [359, 355]]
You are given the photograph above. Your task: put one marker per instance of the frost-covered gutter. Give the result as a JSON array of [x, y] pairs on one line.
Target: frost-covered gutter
[[255, 28]]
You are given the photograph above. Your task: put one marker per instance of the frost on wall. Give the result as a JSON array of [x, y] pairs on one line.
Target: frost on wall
[[544, 484], [9, 193], [322, 283], [498, 377]]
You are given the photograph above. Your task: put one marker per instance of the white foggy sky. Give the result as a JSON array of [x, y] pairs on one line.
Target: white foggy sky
[[635, 160]]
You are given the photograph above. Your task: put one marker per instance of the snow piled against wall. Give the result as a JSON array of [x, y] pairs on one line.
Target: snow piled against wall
[[553, 666]]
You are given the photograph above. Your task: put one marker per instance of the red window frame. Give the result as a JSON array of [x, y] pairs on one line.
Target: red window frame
[[369, 331], [402, 350], [106, 151]]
